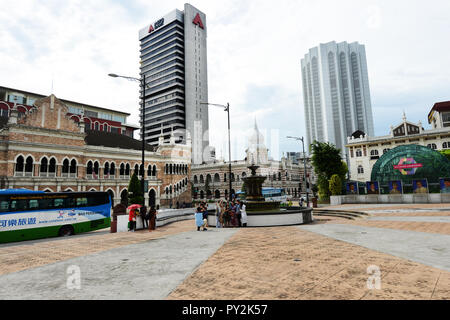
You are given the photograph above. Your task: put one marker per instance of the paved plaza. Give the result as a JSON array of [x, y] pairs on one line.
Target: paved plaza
[[403, 250]]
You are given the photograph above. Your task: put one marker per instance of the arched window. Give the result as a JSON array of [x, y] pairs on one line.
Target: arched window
[[29, 167], [19, 166], [386, 150], [444, 145], [122, 170], [141, 170], [112, 170], [106, 171], [216, 177], [360, 170], [432, 146], [127, 170], [44, 167], [202, 180], [95, 174], [359, 153], [154, 171], [73, 168], [52, 168], [374, 152], [65, 168], [89, 169], [136, 169], [149, 171], [195, 180]]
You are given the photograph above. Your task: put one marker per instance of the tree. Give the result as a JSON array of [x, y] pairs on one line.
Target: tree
[[135, 195], [335, 185], [327, 161]]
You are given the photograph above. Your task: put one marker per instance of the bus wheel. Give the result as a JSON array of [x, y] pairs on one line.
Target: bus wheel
[[66, 231]]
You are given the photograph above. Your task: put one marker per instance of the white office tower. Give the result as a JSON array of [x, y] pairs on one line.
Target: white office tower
[[174, 61], [336, 93]]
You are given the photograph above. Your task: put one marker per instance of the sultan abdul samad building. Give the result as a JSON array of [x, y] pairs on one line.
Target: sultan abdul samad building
[[48, 145]]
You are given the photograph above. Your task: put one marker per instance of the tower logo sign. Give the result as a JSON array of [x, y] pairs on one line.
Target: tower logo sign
[[198, 21], [408, 166], [158, 24]]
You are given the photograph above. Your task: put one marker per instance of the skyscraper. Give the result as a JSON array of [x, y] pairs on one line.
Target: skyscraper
[[336, 93], [174, 61]]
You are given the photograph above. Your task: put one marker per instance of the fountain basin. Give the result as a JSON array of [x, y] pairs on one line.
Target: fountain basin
[[274, 218]]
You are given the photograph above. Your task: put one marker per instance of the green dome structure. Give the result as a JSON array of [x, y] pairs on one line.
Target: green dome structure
[[411, 162]]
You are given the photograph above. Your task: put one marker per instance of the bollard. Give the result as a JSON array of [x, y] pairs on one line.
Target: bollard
[[114, 226]]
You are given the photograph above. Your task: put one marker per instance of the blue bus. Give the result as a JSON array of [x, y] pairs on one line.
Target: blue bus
[[269, 194], [27, 215]]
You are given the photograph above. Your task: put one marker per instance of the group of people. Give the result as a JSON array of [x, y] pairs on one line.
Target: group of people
[[229, 214], [148, 218]]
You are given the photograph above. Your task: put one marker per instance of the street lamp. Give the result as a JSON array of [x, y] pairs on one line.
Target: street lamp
[[142, 82], [304, 162], [227, 109]]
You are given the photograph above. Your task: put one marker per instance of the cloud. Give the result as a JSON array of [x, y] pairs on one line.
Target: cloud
[[254, 53]]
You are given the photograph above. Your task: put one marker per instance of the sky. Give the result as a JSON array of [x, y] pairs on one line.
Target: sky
[[254, 51]]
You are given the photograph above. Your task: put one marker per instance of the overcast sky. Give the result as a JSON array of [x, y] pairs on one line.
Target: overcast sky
[[254, 53]]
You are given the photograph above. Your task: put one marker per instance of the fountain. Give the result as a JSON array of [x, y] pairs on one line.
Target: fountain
[[261, 213], [254, 198]]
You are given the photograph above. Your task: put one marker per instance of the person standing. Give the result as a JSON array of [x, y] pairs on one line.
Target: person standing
[[144, 217], [132, 220], [152, 218], [218, 214], [199, 221], [205, 212], [238, 213], [244, 218]]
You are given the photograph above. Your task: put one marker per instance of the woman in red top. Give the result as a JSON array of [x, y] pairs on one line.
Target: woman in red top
[[132, 220]]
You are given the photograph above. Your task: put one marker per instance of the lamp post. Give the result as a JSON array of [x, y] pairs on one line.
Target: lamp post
[[304, 162], [227, 109], [142, 82]]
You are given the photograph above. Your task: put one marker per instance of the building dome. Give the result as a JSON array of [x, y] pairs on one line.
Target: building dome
[[257, 152], [411, 162]]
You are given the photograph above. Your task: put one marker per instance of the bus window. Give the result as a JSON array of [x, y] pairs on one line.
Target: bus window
[[45, 204], [98, 199], [71, 202], [82, 202], [34, 204], [4, 206], [58, 203], [19, 205]]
